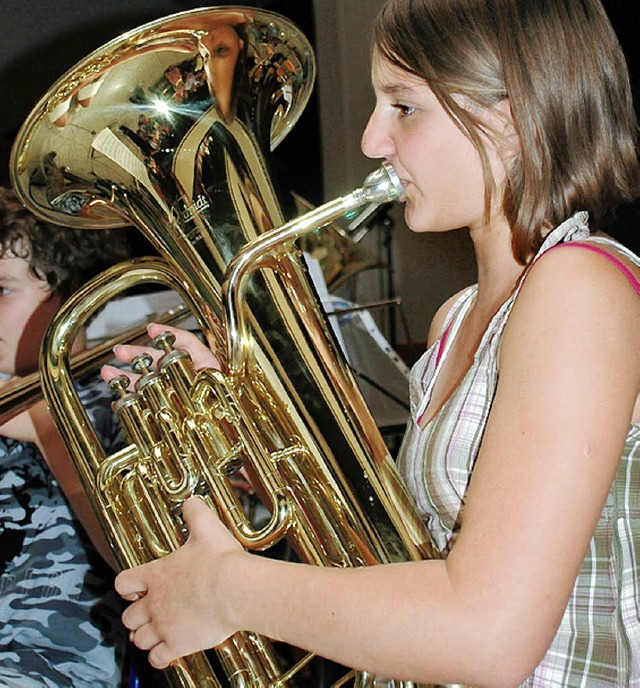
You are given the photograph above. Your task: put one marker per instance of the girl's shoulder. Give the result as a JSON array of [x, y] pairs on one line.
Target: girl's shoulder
[[447, 311], [597, 258], [577, 290]]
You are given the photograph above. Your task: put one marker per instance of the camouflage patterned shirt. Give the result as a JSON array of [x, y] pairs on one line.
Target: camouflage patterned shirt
[[59, 615]]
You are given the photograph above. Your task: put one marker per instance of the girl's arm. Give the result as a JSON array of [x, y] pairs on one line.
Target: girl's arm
[[569, 378]]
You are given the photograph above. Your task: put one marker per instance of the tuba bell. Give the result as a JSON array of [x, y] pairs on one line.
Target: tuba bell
[[170, 128]]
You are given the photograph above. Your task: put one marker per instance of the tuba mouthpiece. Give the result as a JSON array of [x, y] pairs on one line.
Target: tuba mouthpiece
[[383, 185]]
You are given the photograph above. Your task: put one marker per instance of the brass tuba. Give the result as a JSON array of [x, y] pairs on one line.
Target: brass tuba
[[170, 128]]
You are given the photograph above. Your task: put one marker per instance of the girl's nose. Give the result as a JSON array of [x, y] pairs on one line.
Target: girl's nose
[[376, 142]]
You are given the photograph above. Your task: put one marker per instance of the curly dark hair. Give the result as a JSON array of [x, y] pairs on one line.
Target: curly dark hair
[[64, 258]]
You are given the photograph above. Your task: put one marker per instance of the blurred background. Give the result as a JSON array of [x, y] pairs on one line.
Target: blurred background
[[320, 159]]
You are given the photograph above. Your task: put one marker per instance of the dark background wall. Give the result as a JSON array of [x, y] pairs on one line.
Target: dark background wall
[[625, 18]]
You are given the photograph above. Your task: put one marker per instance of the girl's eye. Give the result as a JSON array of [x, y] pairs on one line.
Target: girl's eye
[[405, 110], [5, 291]]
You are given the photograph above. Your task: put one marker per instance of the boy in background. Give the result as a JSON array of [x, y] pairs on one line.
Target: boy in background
[[59, 616]]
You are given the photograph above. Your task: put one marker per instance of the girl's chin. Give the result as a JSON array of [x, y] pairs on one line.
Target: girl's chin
[[413, 220], [424, 222]]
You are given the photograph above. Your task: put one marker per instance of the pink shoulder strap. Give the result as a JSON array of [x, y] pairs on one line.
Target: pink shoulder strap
[[441, 345], [596, 249]]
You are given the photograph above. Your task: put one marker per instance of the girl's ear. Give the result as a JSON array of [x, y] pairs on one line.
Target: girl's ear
[[510, 140]]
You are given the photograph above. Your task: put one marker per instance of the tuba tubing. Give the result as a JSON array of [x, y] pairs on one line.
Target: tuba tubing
[[170, 128], [100, 473]]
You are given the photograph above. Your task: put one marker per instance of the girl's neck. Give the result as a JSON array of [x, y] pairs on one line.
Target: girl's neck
[[498, 270]]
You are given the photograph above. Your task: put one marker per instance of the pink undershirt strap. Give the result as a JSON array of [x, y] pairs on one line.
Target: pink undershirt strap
[[580, 244], [596, 249], [443, 341]]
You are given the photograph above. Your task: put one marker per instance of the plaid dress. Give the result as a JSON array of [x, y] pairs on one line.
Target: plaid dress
[[598, 641]]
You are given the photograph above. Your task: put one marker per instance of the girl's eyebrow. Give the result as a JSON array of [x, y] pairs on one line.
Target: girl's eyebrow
[[393, 88]]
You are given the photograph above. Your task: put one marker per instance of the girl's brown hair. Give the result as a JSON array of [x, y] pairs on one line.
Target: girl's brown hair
[[560, 65]]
